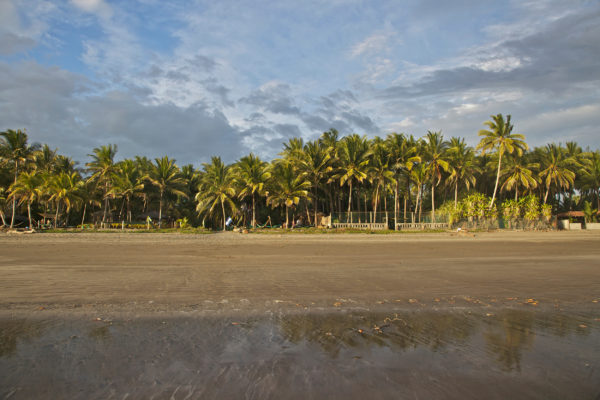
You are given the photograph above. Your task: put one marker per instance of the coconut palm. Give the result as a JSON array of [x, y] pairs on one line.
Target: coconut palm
[[500, 138], [518, 172], [252, 175], [65, 187], [27, 189], [166, 177], [555, 168], [419, 174], [15, 151], [103, 168], [403, 153], [461, 159], [435, 157], [128, 182], [354, 152], [217, 188], [590, 175], [286, 187], [316, 165], [379, 170], [45, 159], [3, 200]]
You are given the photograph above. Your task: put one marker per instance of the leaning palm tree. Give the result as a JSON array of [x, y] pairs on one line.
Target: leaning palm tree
[[556, 168], [287, 187], [15, 151], [435, 156], [590, 175], [27, 189], [252, 175], [165, 175], [461, 159], [499, 137], [217, 188], [315, 163], [353, 152], [102, 168]]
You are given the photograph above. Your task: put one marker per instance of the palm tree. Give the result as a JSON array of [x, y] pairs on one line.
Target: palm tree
[[65, 187], [590, 175], [500, 138], [127, 183], [45, 159], [461, 160], [287, 187], [103, 167], [15, 151], [252, 175], [404, 156], [354, 152], [435, 157], [518, 173], [556, 168], [26, 189], [316, 165], [217, 188], [165, 175], [379, 171], [2, 205], [419, 175]]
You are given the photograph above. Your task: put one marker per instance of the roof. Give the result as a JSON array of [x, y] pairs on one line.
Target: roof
[[571, 214]]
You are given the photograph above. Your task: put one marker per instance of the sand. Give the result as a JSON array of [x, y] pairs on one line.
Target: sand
[[176, 272]]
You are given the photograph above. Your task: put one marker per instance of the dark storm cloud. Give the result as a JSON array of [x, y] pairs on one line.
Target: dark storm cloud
[[275, 98], [61, 109]]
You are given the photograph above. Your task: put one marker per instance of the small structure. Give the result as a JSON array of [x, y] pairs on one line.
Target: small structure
[[571, 220]]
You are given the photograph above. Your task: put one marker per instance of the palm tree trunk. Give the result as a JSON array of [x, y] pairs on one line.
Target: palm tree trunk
[[83, 218], [287, 217], [56, 215], [516, 193], [433, 200], [546, 196], [315, 197], [105, 203], [349, 202], [29, 214], [224, 220], [253, 212], [455, 194], [396, 205], [497, 179], [128, 210], [2, 217], [14, 203], [160, 209]]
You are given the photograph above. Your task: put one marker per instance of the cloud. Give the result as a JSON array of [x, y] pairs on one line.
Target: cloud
[[373, 44], [11, 43], [99, 7]]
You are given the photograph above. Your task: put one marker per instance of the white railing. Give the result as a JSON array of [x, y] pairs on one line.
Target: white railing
[[421, 225], [362, 225]]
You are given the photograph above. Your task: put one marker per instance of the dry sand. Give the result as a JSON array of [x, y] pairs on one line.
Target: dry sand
[[148, 272]]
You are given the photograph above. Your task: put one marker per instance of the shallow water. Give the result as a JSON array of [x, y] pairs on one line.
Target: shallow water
[[457, 354]]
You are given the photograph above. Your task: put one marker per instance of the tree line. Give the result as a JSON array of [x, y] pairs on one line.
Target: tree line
[[399, 175]]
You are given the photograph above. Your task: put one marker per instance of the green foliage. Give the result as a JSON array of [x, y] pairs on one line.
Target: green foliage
[[531, 208]]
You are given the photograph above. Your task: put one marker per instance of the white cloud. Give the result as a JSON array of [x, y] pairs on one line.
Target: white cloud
[[376, 43], [99, 7]]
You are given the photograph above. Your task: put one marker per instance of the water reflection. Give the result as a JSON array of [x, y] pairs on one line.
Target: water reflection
[[328, 355]]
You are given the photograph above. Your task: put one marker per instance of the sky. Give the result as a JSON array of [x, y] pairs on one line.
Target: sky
[[195, 79]]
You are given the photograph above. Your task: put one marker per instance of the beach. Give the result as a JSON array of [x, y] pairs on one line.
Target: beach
[[440, 315]]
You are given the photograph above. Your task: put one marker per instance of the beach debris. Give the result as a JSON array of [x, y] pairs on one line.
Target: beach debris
[[437, 300], [511, 298], [413, 301], [337, 304], [582, 325], [361, 331], [40, 308], [328, 334], [381, 302], [595, 301], [377, 329], [277, 301], [98, 319], [235, 323], [489, 314], [533, 302]]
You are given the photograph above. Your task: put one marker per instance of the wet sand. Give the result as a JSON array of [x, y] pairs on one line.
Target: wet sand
[[497, 315]]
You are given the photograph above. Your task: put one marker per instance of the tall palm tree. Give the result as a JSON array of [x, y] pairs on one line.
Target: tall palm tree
[[329, 140], [252, 175], [354, 152], [45, 159], [2, 205], [499, 137], [435, 156], [316, 165], [419, 175], [403, 151], [217, 188], [15, 151], [555, 167], [102, 168], [461, 159], [165, 175], [518, 172], [287, 187], [27, 189]]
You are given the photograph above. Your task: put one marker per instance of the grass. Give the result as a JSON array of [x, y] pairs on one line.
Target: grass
[[261, 231]]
